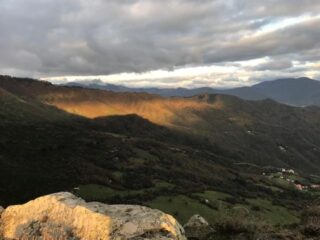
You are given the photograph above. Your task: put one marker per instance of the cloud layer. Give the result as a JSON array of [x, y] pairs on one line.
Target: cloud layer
[[233, 42]]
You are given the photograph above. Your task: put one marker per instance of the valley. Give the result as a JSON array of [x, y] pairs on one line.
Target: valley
[[213, 155]]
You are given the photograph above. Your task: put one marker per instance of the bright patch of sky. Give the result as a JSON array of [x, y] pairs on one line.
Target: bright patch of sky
[[229, 75], [285, 22]]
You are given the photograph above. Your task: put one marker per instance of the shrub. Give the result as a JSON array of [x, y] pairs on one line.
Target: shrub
[[239, 221], [310, 221]]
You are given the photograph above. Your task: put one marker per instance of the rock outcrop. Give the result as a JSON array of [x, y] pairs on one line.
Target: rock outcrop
[[198, 228], [63, 216]]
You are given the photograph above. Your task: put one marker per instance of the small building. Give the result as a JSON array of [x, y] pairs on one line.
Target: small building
[[301, 187], [291, 171]]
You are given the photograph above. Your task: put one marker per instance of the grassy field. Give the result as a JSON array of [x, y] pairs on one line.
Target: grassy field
[[212, 205], [98, 192], [213, 196], [183, 207], [272, 213], [95, 192]]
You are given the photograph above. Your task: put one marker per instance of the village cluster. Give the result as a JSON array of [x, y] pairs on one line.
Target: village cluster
[[290, 176]]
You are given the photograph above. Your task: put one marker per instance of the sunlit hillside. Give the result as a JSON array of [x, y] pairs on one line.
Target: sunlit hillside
[[157, 110]]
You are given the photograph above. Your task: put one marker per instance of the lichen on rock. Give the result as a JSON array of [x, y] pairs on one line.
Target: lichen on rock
[[63, 216]]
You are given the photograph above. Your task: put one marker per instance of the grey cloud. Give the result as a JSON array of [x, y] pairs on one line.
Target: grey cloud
[[44, 38], [295, 39], [275, 64]]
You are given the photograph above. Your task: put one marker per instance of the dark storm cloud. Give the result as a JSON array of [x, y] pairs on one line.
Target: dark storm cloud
[[56, 37]]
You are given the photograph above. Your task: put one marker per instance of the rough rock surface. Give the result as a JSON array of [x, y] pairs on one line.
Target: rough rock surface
[[197, 221], [197, 228], [63, 216]]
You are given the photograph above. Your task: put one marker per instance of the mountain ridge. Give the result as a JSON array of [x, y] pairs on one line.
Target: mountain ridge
[[293, 91]]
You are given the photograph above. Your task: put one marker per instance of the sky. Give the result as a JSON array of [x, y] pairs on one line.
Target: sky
[[162, 43]]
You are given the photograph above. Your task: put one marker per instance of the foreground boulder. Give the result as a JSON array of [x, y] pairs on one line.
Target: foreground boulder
[[198, 228], [64, 216]]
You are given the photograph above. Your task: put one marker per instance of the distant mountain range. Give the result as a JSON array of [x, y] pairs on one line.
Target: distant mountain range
[[292, 91]]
